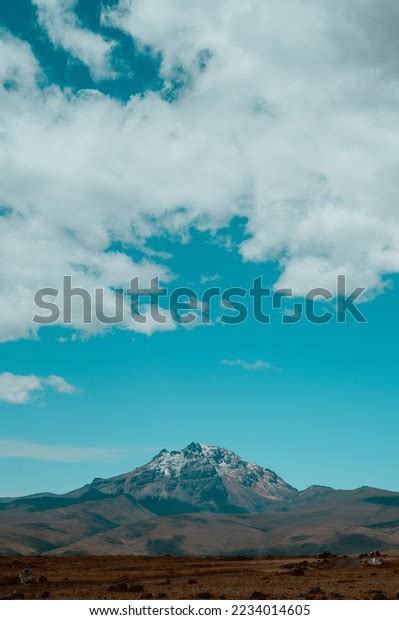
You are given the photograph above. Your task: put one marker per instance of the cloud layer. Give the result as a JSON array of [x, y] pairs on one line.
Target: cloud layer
[[43, 452], [284, 114]]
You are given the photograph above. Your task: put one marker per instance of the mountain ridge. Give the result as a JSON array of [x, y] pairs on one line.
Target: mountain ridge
[[201, 500]]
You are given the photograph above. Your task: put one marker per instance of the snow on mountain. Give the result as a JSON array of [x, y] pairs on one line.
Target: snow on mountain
[[200, 478]]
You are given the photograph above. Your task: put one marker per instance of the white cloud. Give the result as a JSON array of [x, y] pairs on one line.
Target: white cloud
[[257, 365], [63, 28], [211, 278], [43, 452], [60, 385], [19, 389], [289, 119], [18, 66]]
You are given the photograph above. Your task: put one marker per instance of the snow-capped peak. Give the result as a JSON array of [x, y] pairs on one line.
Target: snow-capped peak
[[225, 463], [200, 477]]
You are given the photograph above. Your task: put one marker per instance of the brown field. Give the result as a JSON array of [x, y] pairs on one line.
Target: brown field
[[132, 577]]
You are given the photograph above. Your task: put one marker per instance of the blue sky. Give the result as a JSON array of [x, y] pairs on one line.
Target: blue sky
[[325, 412]]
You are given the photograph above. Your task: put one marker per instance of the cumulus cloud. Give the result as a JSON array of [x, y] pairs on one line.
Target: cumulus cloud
[[60, 21], [310, 101], [285, 115], [257, 365], [43, 452], [19, 389]]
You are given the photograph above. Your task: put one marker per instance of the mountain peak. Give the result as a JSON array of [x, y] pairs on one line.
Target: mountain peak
[[200, 477], [193, 447]]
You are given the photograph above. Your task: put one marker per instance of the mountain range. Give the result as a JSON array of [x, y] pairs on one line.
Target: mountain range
[[202, 500]]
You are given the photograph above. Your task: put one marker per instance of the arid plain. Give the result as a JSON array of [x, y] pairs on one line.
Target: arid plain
[[133, 577]]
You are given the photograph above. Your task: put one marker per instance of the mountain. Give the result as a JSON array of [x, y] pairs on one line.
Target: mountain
[[199, 478], [202, 500]]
